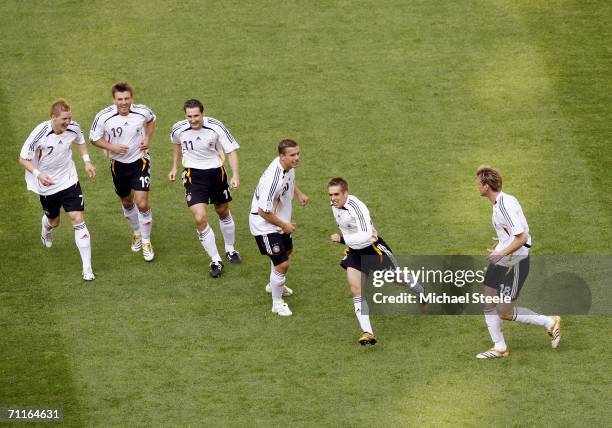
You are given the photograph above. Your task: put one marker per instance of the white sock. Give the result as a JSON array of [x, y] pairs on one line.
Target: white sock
[[83, 243], [228, 230], [207, 239], [131, 216], [527, 316], [277, 283], [361, 312], [494, 324], [146, 223], [45, 224]]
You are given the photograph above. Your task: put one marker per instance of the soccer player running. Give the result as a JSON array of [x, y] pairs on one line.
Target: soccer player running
[[124, 131], [270, 219], [362, 240], [509, 266], [50, 172], [202, 143]]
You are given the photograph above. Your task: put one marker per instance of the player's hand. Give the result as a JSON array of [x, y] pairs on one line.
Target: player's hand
[[172, 174], [235, 183], [288, 228], [335, 237], [304, 200], [90, 169], [120, 149], [45, 180], [494, 257], [144, 144]]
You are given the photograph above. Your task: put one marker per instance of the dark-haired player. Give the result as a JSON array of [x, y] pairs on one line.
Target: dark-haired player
[[124, 130], [202, 143], [270, 219]]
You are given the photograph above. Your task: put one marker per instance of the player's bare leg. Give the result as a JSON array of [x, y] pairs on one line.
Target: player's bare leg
[[355, 280], [82, 238], [206, 235], [228, 230]]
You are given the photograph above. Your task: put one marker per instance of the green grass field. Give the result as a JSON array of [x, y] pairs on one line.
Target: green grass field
[[404, 99]]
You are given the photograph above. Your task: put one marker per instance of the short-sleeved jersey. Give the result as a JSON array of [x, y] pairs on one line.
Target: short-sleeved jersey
[[203, 148], [274, 193], [508, 221], [51, 154], [126, 130], [355, 223]]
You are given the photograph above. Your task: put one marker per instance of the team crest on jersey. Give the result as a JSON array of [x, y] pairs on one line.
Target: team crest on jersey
[[60, 142], [198, 139], [276, 249], [126, 124]]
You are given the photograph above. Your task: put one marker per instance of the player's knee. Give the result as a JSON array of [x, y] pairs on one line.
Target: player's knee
[[505, 315], [282, 267], [143, 206], [222, 210], [201, 221], [127, 203], [76, 217]]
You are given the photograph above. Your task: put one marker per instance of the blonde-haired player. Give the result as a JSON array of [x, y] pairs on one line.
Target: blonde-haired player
[[509, 266], [50, 172]]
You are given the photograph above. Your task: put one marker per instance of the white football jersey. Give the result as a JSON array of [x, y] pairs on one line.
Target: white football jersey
[[274, 193], [51, 154], [203, 148], [508, 221], [355, 223], [126, 130]]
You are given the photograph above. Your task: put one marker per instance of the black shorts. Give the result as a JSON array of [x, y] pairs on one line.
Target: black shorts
[[277, 246], [377, 256], [131, 176], [507, 281], [71, 199], [206, 186]]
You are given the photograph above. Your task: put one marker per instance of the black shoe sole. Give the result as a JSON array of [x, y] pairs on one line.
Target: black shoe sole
[[367, 342], [215, 274], [234, 261]]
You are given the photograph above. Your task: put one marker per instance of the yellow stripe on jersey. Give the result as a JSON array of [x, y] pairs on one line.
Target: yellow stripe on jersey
[[222, 173], [113, 166], [144, 163], [188, 174], [377, 250]]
